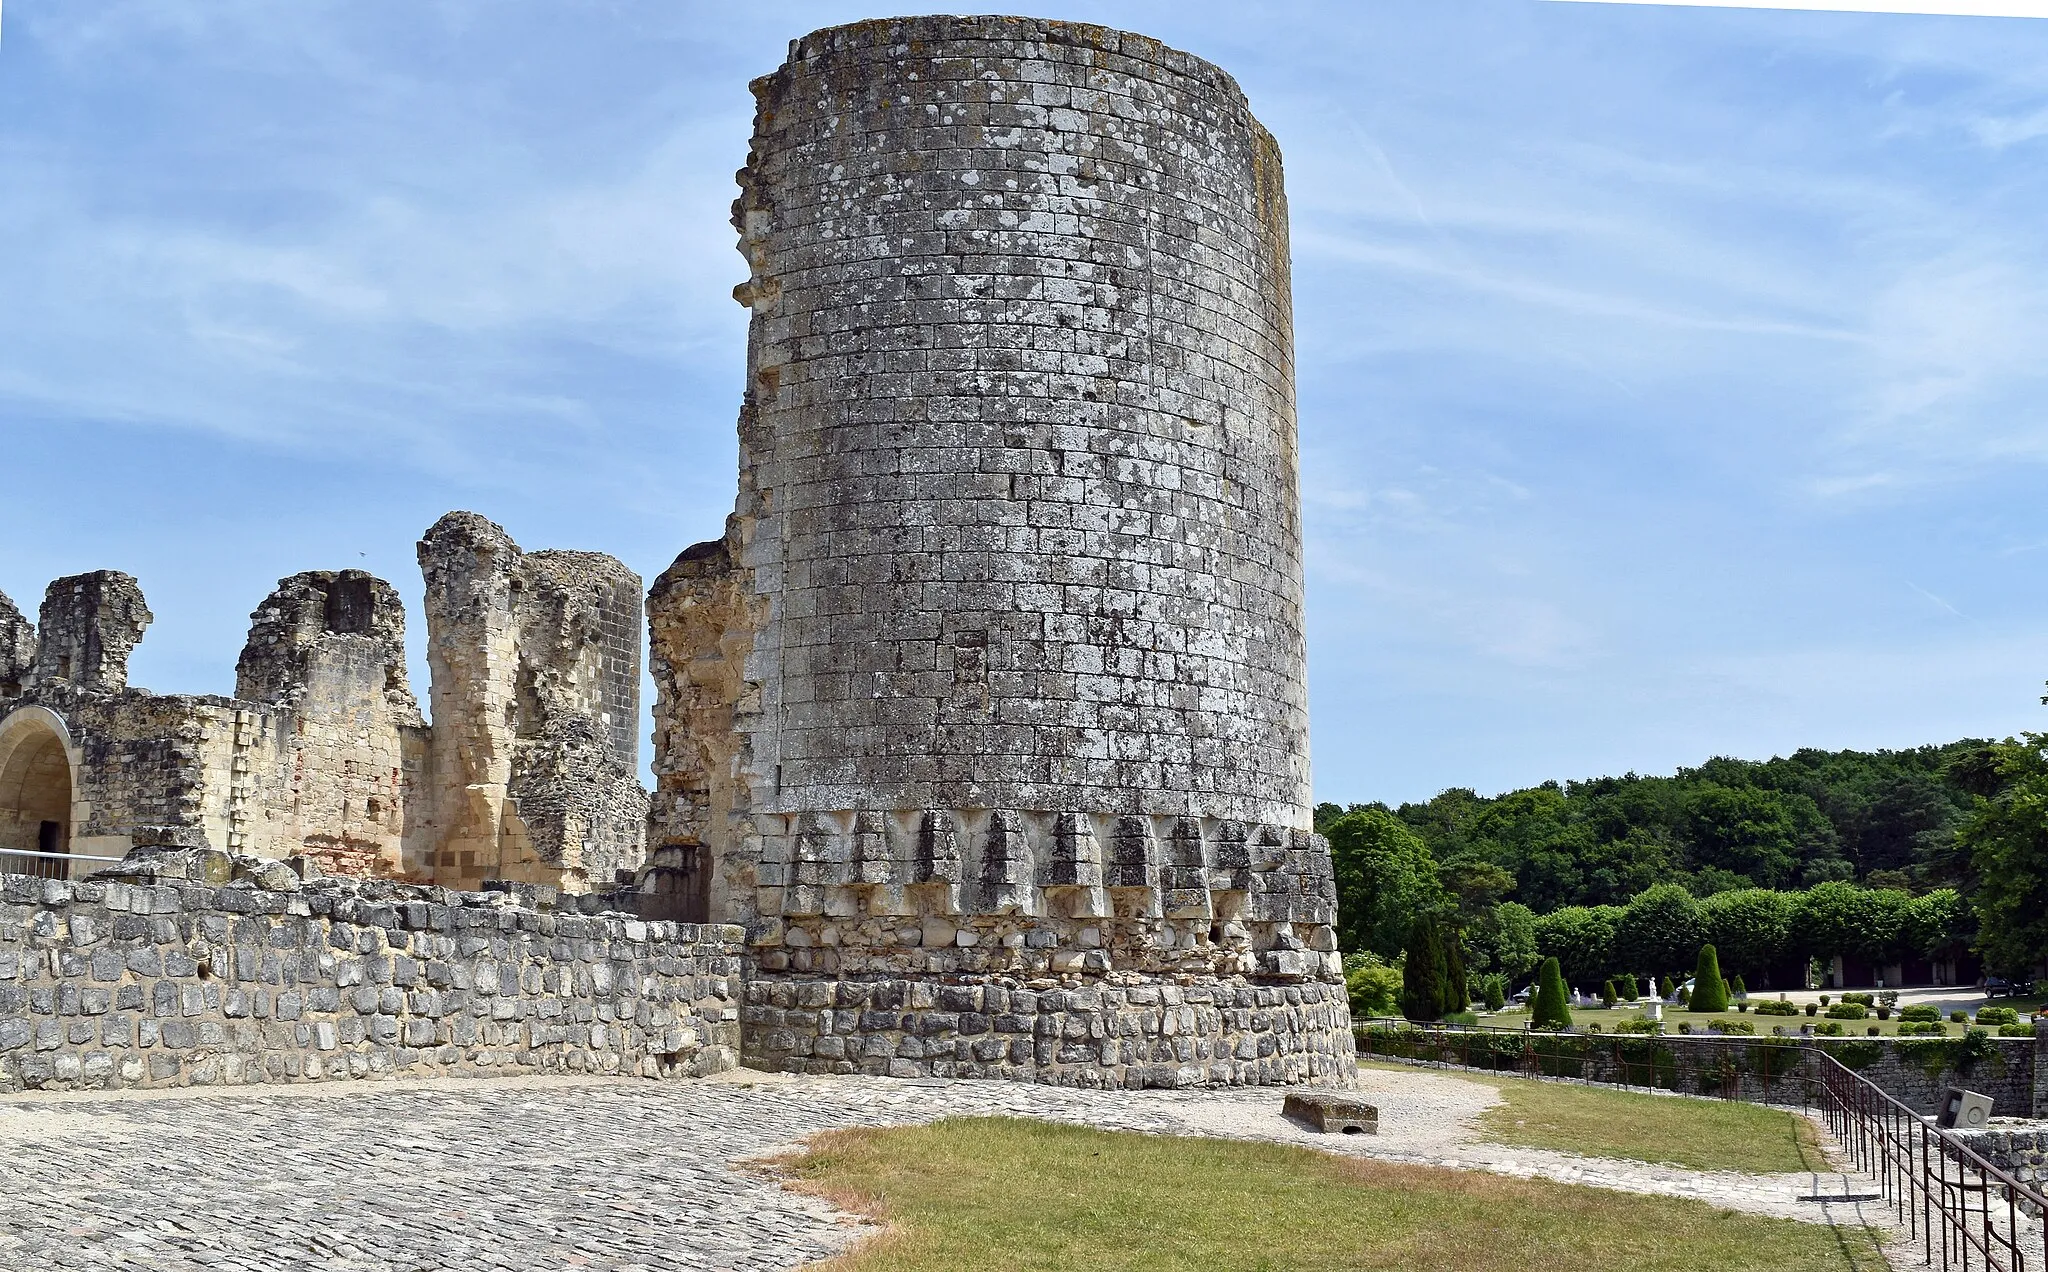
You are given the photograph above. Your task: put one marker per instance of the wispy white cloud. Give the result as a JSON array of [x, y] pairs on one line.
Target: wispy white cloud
[[1642, 353]]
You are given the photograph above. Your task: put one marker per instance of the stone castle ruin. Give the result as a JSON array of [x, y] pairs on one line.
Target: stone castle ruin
[[528, 773], [980, 736]]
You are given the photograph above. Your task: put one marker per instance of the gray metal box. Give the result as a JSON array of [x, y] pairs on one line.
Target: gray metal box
[[1963, 1110]]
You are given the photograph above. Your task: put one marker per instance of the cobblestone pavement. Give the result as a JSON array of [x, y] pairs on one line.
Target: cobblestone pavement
[[626, 1175]]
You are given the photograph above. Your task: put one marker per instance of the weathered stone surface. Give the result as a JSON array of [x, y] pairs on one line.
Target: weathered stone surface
[[17, 649], [326, 654], [997, 672], [536, 662], [987, 711], [1328, 1111], [89, 625], [1066, 1032], [323, 753], [160, 974], [2019, 1149]]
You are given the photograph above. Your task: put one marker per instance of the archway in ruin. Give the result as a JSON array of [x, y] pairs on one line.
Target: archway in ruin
[[35, 793]]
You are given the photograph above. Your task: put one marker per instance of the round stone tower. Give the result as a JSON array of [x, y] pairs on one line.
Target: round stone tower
[[988, 713]]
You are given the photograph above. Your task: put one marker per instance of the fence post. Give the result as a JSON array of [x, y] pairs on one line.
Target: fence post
[[2040, 1065]]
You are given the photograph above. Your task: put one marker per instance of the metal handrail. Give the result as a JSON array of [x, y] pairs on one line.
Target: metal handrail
[[56, 856], [1934, 1181], [1964, 1210]]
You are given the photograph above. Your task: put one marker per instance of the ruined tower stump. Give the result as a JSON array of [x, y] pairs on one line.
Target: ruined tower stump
[[988, 715]]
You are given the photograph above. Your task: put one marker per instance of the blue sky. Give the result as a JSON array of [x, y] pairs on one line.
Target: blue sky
[[1672, 380]]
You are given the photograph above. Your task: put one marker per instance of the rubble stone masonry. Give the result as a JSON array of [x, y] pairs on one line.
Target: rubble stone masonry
[[993, 692], [206, 968], [529, 773], [984, 723]]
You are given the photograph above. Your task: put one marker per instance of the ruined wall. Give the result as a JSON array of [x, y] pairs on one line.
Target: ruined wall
[[998, 672], [205, 969], [323, 752], [326, 656], [17, 649], [88, 626], [2020, 1151], [536, 702], [701, 623], [125, 766]]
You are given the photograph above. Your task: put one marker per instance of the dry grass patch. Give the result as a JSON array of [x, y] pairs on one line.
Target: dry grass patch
[[989, 1193]]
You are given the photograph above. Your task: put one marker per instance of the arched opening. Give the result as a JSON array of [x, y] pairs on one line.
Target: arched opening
[[35, 797]]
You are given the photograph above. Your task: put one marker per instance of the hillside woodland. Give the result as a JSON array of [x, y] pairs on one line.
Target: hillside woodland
[[1881, 856]]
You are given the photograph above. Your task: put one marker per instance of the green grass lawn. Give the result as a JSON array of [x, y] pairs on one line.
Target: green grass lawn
[[1605, 1122], [1698, 1134], [1001, 1193]]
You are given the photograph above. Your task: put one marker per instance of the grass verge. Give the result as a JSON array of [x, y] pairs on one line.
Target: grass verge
[[988, 1193], [1696, 1134], [1604, 1122]]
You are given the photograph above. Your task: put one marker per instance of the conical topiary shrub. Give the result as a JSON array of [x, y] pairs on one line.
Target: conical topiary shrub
[[1548, 1009], [1457, 989], [1422, 975], [1629, 989], [1664, 989], [1736, 989], [1607, 994], [1709, 991], [1496, 991]]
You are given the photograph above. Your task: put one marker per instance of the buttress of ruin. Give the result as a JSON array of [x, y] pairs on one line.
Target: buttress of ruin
[[980, 736]]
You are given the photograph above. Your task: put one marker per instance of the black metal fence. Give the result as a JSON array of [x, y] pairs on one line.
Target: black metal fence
[[1964, 1211]]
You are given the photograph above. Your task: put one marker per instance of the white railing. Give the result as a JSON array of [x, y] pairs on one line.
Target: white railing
[[44, 865]]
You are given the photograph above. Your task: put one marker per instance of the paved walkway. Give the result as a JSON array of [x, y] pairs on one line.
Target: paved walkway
[[621, 1174]]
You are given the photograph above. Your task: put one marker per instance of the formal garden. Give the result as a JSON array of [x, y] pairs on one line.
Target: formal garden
[[1429, 982]]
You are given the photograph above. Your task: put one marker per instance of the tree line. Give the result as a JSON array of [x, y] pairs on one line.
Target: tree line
[[1880, 856]]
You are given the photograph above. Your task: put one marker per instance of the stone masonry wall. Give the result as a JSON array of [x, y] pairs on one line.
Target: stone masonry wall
[[536, 702], [326, 658], [17, 649], [996, 681], [88, 626], [2021, 1151], [1105, 1035], [201, 968], [1019, 437], [1914, 1071]]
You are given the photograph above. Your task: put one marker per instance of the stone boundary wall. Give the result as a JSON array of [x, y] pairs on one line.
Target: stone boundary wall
[[1219, 1033], [1911, 1070], [181, 981], [2019, 1151]]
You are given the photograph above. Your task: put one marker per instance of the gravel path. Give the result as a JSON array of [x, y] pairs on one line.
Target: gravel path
[[619, 1174]]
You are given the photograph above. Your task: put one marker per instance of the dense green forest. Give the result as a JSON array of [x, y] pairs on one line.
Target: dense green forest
[[1880, 856], [1885, 819]]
